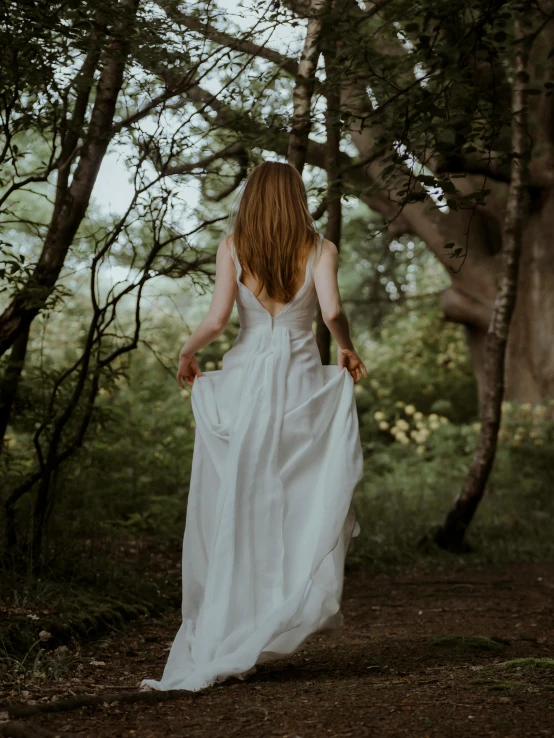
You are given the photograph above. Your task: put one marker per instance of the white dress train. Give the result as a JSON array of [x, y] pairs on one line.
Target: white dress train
[[277, 457]]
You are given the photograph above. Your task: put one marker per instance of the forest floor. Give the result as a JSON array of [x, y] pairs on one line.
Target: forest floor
[[426, 654]]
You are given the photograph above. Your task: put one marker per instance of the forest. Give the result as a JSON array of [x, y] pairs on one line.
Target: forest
[[424, 133]]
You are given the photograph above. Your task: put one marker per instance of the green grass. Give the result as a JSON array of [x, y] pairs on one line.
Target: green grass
[[74, 605], [519, 675]]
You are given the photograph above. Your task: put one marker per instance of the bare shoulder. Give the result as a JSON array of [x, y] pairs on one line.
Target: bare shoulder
[[329, 253], [224, 248], [329, 248]]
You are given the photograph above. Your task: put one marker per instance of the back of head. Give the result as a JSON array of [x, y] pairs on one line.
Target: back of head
[[273, 229]]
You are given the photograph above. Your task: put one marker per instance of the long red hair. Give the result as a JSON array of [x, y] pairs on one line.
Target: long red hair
[[273, 228]]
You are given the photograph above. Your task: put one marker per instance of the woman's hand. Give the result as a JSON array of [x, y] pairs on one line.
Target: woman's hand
[[349, 358], [188, 369]]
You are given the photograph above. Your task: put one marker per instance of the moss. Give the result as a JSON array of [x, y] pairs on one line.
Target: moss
[[470, 643], [75, 610]]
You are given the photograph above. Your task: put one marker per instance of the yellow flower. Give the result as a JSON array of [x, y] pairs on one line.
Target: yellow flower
[[409, 409], [421, 450], [185, 393], [402, 424], [399, 403], [443, 420], [383, 425], [210, 365], [526, 406], [379, 415], [403, 438], [434, 425], [433, 417], [374, 383], [418, 415]]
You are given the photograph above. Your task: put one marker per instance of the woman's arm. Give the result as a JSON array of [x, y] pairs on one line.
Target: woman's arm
[[332, 311], [217, 318]]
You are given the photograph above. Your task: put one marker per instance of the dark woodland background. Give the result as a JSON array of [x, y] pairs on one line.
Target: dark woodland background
[[405, 119]]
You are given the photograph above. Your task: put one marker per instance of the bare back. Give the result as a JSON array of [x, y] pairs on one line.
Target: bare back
[[274, 306]]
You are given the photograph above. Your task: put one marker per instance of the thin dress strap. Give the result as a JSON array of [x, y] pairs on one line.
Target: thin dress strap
[[238, 266]]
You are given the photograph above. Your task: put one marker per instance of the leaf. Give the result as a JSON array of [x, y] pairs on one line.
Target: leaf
[[448, 187], [447, 135], [427, 179]]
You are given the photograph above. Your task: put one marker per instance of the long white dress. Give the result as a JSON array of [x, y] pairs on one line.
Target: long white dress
[[277, 457]]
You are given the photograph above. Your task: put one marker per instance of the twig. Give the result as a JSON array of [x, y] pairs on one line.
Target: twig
[[96, 700]]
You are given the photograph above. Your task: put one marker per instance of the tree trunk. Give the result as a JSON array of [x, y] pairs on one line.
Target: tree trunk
[[304, 89], [10, 382], [451, 534]]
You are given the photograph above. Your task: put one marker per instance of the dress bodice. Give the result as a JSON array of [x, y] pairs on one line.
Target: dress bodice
[[297, 314]]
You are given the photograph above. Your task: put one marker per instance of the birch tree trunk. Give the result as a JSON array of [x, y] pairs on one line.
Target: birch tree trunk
[[304, 88]]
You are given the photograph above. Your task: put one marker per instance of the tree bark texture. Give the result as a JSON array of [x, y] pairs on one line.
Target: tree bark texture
[[304, 88]]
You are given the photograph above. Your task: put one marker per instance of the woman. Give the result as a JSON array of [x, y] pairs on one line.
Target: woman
[[277, 452]]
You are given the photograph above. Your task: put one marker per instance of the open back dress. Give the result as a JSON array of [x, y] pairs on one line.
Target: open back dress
[[277, 457]]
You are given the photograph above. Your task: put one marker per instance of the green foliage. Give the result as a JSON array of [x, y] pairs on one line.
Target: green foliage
[[406, 493], [70, 602]]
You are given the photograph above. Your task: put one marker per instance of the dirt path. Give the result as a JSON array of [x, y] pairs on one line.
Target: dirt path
[[425, 655]]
